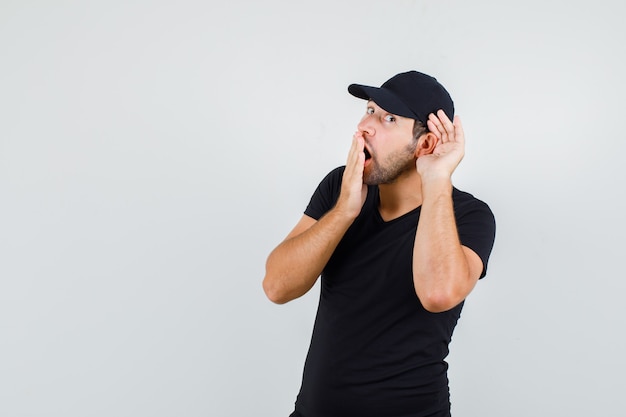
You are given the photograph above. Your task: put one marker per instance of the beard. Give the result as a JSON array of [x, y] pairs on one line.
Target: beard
[[393, 167]]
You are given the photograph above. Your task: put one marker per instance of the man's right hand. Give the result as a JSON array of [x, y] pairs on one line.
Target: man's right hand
[[353, 190], [294, 266]]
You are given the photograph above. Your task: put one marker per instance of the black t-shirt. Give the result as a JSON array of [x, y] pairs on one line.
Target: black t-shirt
[[375, 351]]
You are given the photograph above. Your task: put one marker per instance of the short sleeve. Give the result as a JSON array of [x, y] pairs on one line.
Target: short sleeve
[[325, 196], [477, 228]]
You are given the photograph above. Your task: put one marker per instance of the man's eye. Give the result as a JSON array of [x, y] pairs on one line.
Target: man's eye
[[370, 110], [390, 118]]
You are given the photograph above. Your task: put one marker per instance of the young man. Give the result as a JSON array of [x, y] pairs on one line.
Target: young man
[[398, 249]]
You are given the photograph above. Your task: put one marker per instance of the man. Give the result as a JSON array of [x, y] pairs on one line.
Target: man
[[398, 249]]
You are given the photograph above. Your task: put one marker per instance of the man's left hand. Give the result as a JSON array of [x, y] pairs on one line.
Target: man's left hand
[[449, 150]]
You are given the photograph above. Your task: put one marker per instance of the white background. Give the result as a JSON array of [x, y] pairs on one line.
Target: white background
[[152, 153]]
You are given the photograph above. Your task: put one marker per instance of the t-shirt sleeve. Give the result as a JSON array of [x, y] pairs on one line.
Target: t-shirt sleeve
[[326, 194], [477, 230]]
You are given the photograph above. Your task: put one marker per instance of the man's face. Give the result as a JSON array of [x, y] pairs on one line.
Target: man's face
[[389, 145]]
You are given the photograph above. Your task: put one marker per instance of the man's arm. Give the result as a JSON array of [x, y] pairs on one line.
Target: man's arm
[[444, 271], [294, 266]]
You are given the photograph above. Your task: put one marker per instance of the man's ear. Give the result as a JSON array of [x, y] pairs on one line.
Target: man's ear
[[426, 144]]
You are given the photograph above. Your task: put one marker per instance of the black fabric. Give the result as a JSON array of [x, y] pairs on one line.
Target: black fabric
[[375, 351]]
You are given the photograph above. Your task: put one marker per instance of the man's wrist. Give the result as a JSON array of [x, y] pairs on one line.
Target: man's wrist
[[436, 185], [343, 213]]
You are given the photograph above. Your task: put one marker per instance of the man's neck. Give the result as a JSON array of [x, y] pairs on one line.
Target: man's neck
[[400, 197]]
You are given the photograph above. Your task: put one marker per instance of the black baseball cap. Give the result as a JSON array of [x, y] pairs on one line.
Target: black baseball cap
[[410, 94]]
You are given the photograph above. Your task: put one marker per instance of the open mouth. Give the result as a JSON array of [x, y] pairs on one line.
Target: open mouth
[[367, 154]]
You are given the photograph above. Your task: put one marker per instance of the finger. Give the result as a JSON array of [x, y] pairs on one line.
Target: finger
[[443, 117], [459, 134], [447, 124], [443, 134], [356, 156], [432, 127], [352, 151], [360, 142]]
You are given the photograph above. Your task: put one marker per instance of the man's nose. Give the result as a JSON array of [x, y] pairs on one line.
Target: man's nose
[[366, 126]]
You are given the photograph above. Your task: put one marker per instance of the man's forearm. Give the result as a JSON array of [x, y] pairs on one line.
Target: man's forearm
[[294, 266], [440, 269]]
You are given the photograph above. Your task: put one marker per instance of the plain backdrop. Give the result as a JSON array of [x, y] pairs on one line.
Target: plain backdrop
[[153, 153]]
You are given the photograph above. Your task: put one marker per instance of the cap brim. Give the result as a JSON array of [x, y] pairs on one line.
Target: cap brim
[[383, 98]]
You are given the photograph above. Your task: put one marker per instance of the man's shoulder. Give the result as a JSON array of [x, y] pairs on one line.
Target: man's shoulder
[[336, 172], [326, 194], [334, 177], [464, 200]]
